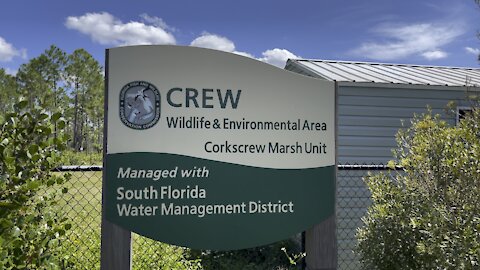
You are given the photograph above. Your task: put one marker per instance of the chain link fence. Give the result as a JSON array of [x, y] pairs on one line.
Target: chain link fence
[[353, 200], [82, 205]]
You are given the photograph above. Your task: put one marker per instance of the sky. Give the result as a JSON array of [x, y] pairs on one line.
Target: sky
[[419, 32]]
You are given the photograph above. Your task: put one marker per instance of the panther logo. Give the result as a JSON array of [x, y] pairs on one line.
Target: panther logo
[[139, 105]]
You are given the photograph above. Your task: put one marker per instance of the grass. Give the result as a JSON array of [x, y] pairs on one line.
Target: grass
[[82, 205]]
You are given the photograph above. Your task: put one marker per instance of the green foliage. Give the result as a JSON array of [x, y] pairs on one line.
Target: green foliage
[[40, 80], [70, 157], [82, 246], [154, 255], [8, 87], [31, 231], [428, 216], [293, 258], [259, 258], [82, 205], [57, 81], [84, 77]]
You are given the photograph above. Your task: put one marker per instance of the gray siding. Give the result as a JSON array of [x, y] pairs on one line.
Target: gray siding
[[368, 119]]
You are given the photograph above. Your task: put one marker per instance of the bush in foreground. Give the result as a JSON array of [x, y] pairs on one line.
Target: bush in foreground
[[428, 216], [30, 230]]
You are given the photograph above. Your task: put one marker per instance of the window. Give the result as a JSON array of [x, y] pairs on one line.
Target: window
[[462, 112]]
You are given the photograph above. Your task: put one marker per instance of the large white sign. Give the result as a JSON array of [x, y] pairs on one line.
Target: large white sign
[[209, 149]]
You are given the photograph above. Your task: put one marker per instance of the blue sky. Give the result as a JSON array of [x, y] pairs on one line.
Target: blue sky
[[432, 32]]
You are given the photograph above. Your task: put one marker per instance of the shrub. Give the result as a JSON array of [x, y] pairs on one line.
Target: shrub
[[259, 258], [31, 231], [155, 255], [70, 157], [428, 216]]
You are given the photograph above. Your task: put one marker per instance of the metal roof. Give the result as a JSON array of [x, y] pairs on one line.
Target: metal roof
[[344, 71]]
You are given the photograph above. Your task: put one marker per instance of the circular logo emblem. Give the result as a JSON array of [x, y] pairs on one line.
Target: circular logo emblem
[[139, 105]]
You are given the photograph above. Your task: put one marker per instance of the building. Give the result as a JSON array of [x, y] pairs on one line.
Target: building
[[373, 100]]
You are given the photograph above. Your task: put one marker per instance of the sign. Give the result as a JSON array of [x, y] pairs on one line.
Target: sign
[[213, 150]]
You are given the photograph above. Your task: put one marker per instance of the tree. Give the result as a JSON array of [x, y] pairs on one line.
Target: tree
[[41, 80], [427, 216], [70, 83], [8, 92], [57, 81], [84, 76], [54, 62], [32, 83]]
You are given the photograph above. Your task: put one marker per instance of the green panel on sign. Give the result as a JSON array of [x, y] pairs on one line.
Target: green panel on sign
[[209, 204]]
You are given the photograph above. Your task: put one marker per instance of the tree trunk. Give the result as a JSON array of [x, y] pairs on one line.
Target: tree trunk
[[99, 134], [55, 108], [81, 136], [75, 120]]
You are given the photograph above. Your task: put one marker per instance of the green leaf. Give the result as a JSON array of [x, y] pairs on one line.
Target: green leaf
[[33, 185], [50, 182], [60, 180], [4, 142], [22, 104], [33, 149], [391, 165], [56, 116], [16, 231], [61, 124], [12, 121], [43, 116], [7, 205], [36, 157]]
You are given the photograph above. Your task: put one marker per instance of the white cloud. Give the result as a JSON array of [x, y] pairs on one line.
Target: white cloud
[[156, 21], [277, 57], [212, 41], [474, 51], [105, 29], [244, 54], [8, 51], [434, 55], [216, 42], [407, 40]]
